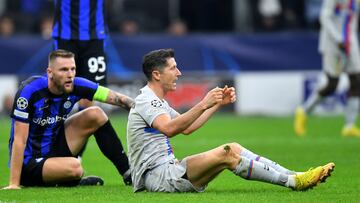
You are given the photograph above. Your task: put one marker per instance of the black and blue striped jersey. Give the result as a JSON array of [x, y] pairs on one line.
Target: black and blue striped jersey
[[45, 112], [79, 20]]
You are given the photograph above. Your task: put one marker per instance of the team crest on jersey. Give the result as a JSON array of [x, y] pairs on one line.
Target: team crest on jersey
[[22, 103], [156, 103], [67, 104]]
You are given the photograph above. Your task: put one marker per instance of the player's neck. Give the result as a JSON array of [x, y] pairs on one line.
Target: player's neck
[[157, 89], [53, 90]]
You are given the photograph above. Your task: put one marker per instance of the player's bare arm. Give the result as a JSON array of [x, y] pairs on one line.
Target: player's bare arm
[[119, 99], [17, 154], [229, 96], [171, 127]]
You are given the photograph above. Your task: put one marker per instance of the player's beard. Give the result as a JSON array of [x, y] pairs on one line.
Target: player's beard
[[68, 90], [61, 86]]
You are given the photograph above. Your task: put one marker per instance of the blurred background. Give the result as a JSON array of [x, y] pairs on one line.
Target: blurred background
[[267, 49]]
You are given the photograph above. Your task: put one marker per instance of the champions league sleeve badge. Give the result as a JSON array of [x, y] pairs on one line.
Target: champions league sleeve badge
[[156, 103], [22, 103]]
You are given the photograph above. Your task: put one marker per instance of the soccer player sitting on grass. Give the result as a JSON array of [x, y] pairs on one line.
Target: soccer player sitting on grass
[[152, 122], [44, 141]]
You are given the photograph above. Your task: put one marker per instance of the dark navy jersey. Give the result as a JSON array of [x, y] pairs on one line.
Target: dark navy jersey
[[45, 112], [79, 19]]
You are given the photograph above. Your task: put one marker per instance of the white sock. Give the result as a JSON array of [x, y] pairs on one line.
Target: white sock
[[250, 155], [291, 181], [312, 101], [254, 170], [351, 110]]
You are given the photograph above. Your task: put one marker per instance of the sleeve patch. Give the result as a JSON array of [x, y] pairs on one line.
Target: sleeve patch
[[156, 103], [22, 103], [21, 114]]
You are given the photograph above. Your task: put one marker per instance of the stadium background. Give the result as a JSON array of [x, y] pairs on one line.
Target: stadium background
[[266, 49]]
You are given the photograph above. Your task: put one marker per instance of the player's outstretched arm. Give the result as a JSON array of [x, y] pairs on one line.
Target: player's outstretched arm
[[229, 96], [21, 131], [106, 95], [171, 127], [119, 99]]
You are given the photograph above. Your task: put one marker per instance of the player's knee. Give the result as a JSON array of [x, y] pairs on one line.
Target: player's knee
[[231, 153], [234, 147], [330, 86], [75, 169], [96, 115]]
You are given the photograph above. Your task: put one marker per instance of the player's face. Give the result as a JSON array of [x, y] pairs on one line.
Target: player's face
[[62, 74], [169, 75]]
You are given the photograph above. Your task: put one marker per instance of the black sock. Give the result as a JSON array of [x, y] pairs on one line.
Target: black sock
[[110, 145]]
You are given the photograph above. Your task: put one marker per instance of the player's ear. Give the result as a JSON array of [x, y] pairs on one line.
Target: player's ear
[[156, 75], [49, 72]]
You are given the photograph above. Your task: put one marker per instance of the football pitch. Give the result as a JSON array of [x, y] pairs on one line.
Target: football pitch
[[271, 137]]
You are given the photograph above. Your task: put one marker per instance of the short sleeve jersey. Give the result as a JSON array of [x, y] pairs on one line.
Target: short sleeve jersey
[[147, 146], [45, 112]]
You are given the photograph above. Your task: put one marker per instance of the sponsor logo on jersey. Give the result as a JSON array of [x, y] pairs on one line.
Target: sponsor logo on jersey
[[49, 120], [43, 107], [99, 77], [22, 103], [38, 159], [67, 104]]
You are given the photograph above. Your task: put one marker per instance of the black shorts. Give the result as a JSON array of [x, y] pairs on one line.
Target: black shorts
[[31, 173], [89, 57]]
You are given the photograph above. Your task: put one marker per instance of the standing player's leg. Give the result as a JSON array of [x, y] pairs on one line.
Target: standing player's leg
[[91, 60], [353, 100], [332, 68], [94, 67]]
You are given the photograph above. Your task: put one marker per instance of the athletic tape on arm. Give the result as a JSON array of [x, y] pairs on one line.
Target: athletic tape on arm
[[101, 94]]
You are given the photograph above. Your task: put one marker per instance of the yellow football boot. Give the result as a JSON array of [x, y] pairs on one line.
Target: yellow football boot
[[328, 168], [308, 179], [300, 121], [312, 177], [350, 131]]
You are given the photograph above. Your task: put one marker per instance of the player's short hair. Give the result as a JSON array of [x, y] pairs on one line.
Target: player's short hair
[[60, 53], [156, 60]]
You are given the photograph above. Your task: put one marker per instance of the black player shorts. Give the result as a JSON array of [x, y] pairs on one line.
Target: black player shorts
[[31, 174], [89, 57]]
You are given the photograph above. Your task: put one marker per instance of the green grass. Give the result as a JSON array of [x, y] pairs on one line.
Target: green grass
[[267, 136]]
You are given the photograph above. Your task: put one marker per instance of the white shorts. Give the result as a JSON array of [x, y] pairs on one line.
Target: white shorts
[[334, 64], [169, 177]]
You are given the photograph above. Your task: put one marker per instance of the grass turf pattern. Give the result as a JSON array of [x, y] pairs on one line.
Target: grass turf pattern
[[271, 137]]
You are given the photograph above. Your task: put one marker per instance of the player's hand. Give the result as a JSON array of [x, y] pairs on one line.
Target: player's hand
[[229, 95], [213, 97], [11, 187]]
